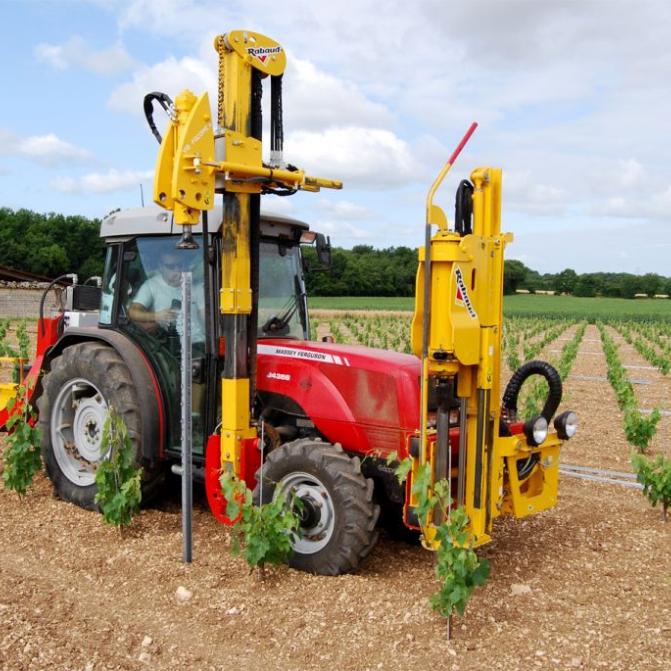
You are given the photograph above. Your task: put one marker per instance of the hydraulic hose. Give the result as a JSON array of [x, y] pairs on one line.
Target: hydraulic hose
[[463, 208], [166, 103], [67, 276], [509, 401]]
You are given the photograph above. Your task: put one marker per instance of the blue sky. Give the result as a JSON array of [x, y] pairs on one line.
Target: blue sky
[[572, 99]]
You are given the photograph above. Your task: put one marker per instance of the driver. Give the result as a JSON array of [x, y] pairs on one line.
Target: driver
[[159, 299]]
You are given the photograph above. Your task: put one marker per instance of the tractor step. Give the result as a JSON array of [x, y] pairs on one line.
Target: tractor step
[[197, 471]]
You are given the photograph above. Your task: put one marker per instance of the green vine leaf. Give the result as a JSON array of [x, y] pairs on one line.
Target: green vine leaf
[[118, 481], [655, 476], [22, 457], [262, 534]]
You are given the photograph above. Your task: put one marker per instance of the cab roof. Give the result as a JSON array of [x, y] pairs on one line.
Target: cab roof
[[156, 221]]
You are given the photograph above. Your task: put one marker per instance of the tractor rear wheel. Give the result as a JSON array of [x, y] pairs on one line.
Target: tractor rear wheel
[[84, 382], [338, 514]]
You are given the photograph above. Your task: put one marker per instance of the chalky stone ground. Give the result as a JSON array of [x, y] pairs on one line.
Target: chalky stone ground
[[584, 586]]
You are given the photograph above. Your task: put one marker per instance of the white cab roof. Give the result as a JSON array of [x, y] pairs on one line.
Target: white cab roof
[[156, 221]]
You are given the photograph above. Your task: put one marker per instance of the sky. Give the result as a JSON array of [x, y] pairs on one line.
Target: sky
[[572, 98]]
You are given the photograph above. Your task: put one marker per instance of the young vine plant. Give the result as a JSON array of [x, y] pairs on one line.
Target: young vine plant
[[22, 458], [539, 390], [262, 534], [458, 568], [638, 428], [655, 476], [118, 480], [645, 349]]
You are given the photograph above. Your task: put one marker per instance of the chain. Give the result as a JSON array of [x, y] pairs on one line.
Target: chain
[[221, 50]]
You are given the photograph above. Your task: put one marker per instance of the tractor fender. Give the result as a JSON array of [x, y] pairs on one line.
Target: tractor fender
[[143, 376]]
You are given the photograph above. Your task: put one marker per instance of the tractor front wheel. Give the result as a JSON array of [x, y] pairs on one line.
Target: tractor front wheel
[[338, 515], [84, 382]]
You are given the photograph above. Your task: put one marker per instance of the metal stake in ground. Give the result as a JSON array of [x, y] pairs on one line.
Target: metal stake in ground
[[187, 437]]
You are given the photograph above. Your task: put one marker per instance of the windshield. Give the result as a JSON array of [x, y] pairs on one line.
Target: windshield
[[152, 269], [282, 310]]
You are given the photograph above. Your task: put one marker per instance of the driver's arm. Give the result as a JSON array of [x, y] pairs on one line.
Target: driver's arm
[[141, 312]]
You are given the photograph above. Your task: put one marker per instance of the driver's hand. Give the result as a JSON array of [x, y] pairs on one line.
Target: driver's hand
[[166, 317]]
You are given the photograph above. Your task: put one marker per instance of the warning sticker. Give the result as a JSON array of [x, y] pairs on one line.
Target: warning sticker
[[461, 295]]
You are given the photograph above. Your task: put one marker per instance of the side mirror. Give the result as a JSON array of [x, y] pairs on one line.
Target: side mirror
[[323, 245]]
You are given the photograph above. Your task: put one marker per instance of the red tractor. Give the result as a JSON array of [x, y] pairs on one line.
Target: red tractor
[[317, 419]]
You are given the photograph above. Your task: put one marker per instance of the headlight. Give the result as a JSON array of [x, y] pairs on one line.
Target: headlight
[[566, 424], [536, 430]]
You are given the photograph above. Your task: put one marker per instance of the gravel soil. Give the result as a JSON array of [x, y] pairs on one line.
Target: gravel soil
[[584, 586]]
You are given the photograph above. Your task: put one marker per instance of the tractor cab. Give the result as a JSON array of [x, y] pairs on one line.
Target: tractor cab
[[141, 297]]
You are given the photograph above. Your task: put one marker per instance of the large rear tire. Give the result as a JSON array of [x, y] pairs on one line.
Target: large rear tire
[[84, 382], [338, 514]]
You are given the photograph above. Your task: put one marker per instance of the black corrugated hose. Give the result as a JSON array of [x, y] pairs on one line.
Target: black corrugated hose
[[509, 401]]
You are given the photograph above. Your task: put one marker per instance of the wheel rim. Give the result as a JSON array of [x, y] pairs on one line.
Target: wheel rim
[[317, 512], [77, 422]]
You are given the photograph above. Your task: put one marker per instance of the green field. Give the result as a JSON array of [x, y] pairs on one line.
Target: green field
[[361, 303], [603, 308]]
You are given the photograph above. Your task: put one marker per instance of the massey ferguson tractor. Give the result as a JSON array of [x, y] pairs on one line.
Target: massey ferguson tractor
[[285, 414]]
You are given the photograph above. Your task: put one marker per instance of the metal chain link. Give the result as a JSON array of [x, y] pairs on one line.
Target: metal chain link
[[221, 50]]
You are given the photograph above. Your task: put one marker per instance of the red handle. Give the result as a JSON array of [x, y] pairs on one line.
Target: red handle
[[463, 142]]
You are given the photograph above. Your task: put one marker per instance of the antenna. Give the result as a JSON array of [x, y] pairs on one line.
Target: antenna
[[141, 195]]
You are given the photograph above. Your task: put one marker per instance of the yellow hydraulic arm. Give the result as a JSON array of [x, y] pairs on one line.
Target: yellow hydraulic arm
[[199, 158]]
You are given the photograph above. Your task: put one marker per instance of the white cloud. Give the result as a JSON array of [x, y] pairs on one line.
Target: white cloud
[[7, 142], [314, 99], [341, 230], [51, 150], [630, 173], [521, 193], [48, 150], [362, 157], [281, 206], [76, 53], [170, 76], [646, 246], [343, 209], [638, 205], [112, 180], [171, 17]]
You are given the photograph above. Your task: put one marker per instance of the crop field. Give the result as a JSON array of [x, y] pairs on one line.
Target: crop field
[[586, 585], [523, 304]]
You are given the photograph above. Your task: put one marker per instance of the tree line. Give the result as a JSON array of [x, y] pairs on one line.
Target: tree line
[[365, 271], [50, 244], [54, 244], [614, 285]]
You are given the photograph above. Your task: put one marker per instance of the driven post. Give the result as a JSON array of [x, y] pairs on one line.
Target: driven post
[[187, 437]]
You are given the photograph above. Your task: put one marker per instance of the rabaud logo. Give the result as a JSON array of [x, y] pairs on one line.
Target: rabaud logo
[[461, 297], [263, 53]]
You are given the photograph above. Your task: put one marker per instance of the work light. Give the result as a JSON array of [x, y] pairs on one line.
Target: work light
[[536, 430], [566, 424]]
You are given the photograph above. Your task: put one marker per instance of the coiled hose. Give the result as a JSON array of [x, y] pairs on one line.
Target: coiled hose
[[525, 371], [509, 403]]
